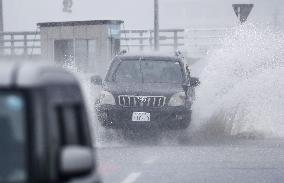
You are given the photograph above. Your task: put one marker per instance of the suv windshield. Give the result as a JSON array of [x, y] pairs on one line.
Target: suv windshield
[[12, 137], [149, 71]]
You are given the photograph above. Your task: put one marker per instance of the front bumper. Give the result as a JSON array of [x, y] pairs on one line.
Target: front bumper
[[118, 117]]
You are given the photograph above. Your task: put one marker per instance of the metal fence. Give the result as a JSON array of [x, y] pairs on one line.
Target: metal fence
[[20, 43], [196, 42], [143, 40], [28, 43], [200, 41]]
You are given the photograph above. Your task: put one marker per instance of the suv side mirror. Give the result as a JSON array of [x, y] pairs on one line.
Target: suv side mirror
[[96, 80], [76, 161], [194, 82]]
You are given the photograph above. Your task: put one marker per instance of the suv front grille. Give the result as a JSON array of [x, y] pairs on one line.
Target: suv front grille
[[141, 101]]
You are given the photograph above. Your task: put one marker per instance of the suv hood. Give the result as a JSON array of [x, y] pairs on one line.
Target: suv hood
[[143, 89]]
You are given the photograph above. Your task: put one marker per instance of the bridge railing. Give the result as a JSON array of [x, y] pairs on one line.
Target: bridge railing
[[200, 41], [196, 42], [28, 42], [143, 40], [20, 43]]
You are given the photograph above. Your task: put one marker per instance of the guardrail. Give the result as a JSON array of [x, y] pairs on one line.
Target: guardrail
[[143, 40], [200, 41], [28, 43], [196, 42], [20, 43]]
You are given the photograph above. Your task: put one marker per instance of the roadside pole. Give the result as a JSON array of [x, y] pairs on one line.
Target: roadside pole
[[1, 27], [1, 16], [156, 25]]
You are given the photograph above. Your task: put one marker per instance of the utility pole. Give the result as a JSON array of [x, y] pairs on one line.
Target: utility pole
[[1, 16], [156, 25], [1, 27], [276, 14]]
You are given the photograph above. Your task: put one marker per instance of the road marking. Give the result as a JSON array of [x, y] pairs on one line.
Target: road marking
[[131, 178], [150, 160]]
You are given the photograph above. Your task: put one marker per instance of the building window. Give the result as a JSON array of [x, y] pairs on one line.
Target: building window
[[82, 57], [64, 51], [85, 54]]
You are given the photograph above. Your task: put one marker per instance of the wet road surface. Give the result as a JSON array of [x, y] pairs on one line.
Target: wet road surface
[[236, 161]]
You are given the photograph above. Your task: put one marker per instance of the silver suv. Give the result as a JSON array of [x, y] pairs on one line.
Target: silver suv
[[44, 128]]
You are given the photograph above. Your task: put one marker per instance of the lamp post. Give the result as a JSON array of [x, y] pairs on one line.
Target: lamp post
[[156, 25]]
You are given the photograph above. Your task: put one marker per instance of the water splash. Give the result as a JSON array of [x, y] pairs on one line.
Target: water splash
[[102, 137], [242, 86]]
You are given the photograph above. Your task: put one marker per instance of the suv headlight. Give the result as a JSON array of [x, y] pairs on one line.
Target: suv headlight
[[177, 99], [106, 98]]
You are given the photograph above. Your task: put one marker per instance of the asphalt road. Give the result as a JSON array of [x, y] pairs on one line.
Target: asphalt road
[[248, 161]]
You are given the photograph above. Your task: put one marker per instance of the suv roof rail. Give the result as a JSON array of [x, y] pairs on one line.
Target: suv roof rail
[[122, 52], [179, 54]]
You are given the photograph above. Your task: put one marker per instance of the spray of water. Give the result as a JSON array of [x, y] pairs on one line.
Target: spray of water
[[242, 86], [102, 137]]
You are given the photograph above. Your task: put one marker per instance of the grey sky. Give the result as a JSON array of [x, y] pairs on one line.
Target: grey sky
[[24, 14]]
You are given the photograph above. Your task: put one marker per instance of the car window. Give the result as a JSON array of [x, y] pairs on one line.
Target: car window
[[128, 71], [161, 72], [12, 138], [69, 118], [149, 71]]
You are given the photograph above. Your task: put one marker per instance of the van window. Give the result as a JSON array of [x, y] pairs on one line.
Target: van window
[[13, 167], [70, 124]]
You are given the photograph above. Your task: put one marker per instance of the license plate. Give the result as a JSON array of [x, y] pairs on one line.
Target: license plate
[[141, 116]]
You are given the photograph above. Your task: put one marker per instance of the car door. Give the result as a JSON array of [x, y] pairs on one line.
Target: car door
[[68, 125]]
